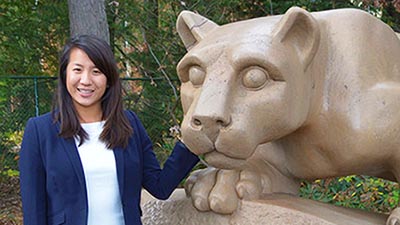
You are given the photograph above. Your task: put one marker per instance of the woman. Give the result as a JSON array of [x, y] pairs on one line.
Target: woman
[[87, 161]]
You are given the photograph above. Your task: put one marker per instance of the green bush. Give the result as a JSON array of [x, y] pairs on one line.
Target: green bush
[[362, 192]]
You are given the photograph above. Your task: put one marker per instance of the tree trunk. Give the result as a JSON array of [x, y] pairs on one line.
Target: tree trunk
[[88, 17]]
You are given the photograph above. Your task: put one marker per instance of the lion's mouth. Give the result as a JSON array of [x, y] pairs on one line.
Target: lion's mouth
[[220, 160]]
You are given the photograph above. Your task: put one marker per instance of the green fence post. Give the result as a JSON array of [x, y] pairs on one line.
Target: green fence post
[[36, 96]]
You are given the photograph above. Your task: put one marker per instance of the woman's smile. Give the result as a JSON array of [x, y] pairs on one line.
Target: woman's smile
[[85, 92]]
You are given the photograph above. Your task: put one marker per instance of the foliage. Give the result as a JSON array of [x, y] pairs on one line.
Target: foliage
[[362, 192], [30, 35], [19, 100]]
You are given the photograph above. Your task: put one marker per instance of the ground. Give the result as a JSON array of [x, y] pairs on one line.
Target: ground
[[10, 201]]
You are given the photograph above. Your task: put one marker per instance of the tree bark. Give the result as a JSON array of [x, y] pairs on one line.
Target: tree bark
[[88, 17]]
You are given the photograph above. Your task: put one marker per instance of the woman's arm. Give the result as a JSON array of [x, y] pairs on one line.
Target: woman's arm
[[32, 178], [178, 165], [162, 182]]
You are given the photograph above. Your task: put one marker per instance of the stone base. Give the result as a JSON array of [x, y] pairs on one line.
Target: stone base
[[274, 209]]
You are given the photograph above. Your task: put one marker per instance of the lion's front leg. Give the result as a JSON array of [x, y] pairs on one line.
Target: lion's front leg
[[220, 190]]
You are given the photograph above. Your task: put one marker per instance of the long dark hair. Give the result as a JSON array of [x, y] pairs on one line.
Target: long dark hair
[[117, 128]]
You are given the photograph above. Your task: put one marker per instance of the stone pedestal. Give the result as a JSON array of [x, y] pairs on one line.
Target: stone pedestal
[[276, 209]]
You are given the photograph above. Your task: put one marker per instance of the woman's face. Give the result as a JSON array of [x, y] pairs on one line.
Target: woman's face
[[85, 82]]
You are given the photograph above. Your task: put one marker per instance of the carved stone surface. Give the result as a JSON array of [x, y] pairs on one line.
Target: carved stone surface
[[177, 210], [277, 209], [272, 100]]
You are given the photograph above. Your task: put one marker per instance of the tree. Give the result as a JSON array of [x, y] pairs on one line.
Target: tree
[[31, 34], [88, 17]]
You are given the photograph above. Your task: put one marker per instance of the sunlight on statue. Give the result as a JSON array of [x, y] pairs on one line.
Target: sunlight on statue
[[272, 100]]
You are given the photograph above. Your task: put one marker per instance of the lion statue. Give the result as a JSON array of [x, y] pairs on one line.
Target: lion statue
[[273, 100]]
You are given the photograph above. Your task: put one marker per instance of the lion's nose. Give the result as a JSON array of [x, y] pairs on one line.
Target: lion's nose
[[210, 121]]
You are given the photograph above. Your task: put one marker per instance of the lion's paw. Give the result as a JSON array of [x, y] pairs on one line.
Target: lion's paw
[[199, 185], [394, 218], [220, 190]]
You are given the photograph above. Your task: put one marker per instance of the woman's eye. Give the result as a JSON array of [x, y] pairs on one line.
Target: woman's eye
[[77, 69], [96, 72], [196, 75], [255, 77]]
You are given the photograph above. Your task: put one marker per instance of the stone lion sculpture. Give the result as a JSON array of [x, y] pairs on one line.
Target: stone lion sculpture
[[272, 100]]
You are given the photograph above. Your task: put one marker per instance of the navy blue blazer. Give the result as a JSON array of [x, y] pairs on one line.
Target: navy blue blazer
[[53, 182]]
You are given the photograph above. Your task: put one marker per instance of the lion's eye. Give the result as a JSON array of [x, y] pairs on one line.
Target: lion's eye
[[196, 75], [255, 77]]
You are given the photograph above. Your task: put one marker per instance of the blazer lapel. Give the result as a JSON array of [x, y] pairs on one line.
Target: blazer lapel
[[73, 155], [119, 161]]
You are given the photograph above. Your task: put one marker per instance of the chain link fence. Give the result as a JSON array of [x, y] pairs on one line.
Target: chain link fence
[[22, 97]]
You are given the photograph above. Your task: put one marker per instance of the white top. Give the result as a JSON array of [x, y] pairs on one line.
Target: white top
[[101, 178]]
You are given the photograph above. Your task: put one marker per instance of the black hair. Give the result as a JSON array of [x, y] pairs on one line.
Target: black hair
[[117, 128]]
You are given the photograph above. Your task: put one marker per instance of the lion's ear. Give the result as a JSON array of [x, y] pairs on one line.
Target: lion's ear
[[192, 28], [299, 29]]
